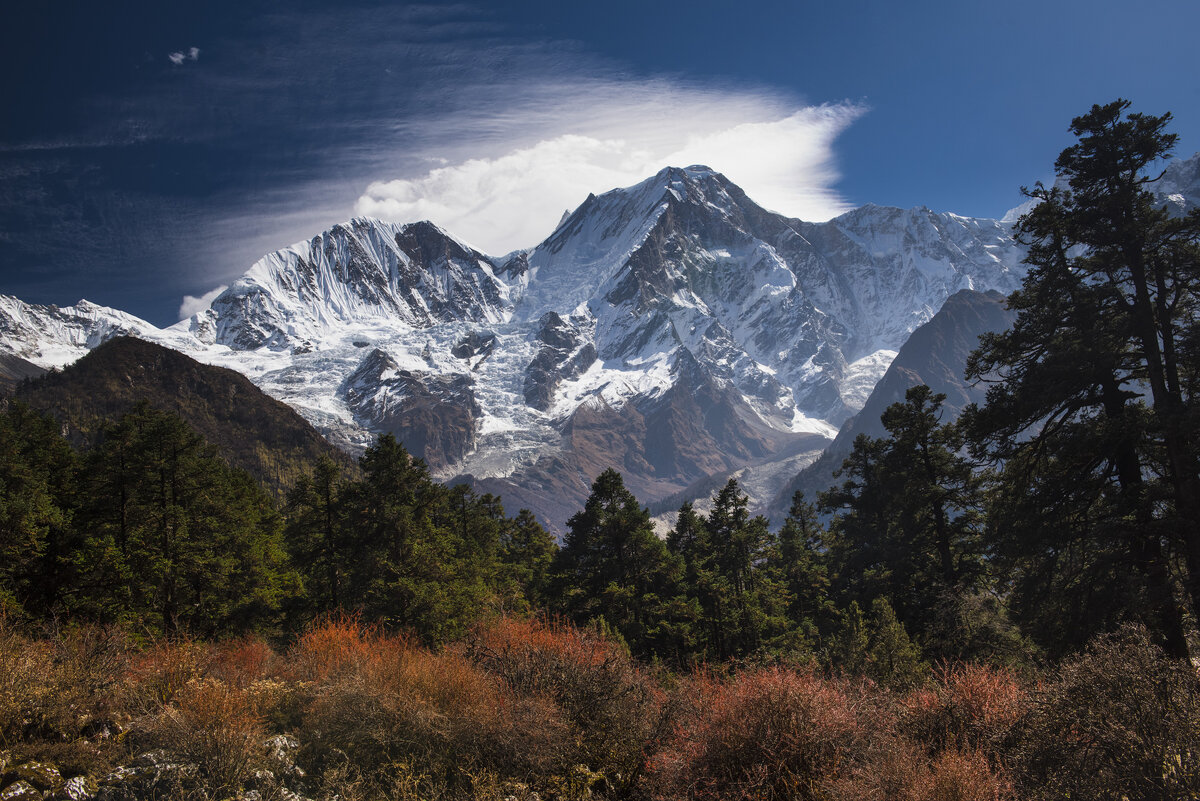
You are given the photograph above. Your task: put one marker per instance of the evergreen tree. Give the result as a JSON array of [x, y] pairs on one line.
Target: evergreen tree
[[526, 554], [1092, 412], [176, 539], [426, 554], [908, 527], [612, 569], [37, 475], [317, 537], [731, 589], [802, 565]]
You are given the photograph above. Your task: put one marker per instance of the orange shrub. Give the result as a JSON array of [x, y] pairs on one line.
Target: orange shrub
[[159, 672], [240, 663], [216, 727], [770, 733], [611, 715], [899, 770], [969, 705], [334, 646]]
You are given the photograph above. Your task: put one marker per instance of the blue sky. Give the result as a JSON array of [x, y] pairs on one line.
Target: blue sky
[[154, 151]]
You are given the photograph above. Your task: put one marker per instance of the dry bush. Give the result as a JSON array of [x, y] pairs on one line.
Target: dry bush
[[56, 698], [1121, 721], [900, 770], [159, 672], [334, 646], [385, 714], [609, 712], [214, 726], [26, 684], [968, 706], [770, 733], [241, 662]]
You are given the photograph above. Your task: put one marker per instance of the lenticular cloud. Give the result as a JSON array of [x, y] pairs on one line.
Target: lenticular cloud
[[514, 200]]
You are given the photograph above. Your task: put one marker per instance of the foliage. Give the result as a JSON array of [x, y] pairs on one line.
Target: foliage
[[907, 527], [1091, 410], [613, 569], [1119, 721], [175, 538], [37, 476]]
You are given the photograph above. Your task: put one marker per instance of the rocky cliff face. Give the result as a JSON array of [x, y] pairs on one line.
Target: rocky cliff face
[[935, 355]]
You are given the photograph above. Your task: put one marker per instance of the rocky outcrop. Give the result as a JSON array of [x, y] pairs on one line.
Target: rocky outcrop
[[433, 415]]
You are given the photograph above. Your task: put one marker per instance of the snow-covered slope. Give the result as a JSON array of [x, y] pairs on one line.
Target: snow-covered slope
[[52, 336], [674, 329]]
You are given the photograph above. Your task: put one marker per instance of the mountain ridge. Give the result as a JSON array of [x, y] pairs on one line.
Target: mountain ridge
[[677, 293]]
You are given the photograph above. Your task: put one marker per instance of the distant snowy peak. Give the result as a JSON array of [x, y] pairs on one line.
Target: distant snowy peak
[[363, 271], [1180, 184], [53, 336], [596, 241]]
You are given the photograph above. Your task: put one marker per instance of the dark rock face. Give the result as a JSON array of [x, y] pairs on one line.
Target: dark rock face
[[474, 346], [935, 355], [661, 445], [433, 416], [14, 370], [567, 351]]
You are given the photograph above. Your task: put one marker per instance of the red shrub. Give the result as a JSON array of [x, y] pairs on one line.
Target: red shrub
[[555, 673], [771, 733], [334, 646], [240, 663], [969, 705], [215, 726], [157, 674], [899, 770]]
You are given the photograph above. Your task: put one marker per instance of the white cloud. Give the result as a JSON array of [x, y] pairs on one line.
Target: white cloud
[[781, 156], [191, 305], [178, 57]]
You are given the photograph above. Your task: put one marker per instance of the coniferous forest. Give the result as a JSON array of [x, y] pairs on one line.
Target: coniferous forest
[[1001, 606]]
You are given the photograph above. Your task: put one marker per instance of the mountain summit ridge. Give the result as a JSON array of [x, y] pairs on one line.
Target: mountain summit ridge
[[567, 355]]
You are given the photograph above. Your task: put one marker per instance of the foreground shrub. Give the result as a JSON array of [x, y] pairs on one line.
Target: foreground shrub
[[610, 713], [25, 684], [968, 706], [56, 695], [900, 770], [159, 672], [1121, 721], [213, 726], [384, 717], [767, 734]]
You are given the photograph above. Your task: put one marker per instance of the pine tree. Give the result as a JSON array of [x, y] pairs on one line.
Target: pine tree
[[802, 565], [425, 555], [37, 476], [613, 569], [908, 523], [317, 536], [1093, 406], [176, 539], [526, 553]]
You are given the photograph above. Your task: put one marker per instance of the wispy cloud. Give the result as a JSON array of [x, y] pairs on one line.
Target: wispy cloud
[[192, 304], [179, 56], [784, 160]]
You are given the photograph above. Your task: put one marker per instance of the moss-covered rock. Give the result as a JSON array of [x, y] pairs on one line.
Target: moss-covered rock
[[42, 776], [20, 790]]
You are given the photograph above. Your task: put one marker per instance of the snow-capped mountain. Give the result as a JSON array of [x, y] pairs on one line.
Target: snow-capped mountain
[[674, 329]]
